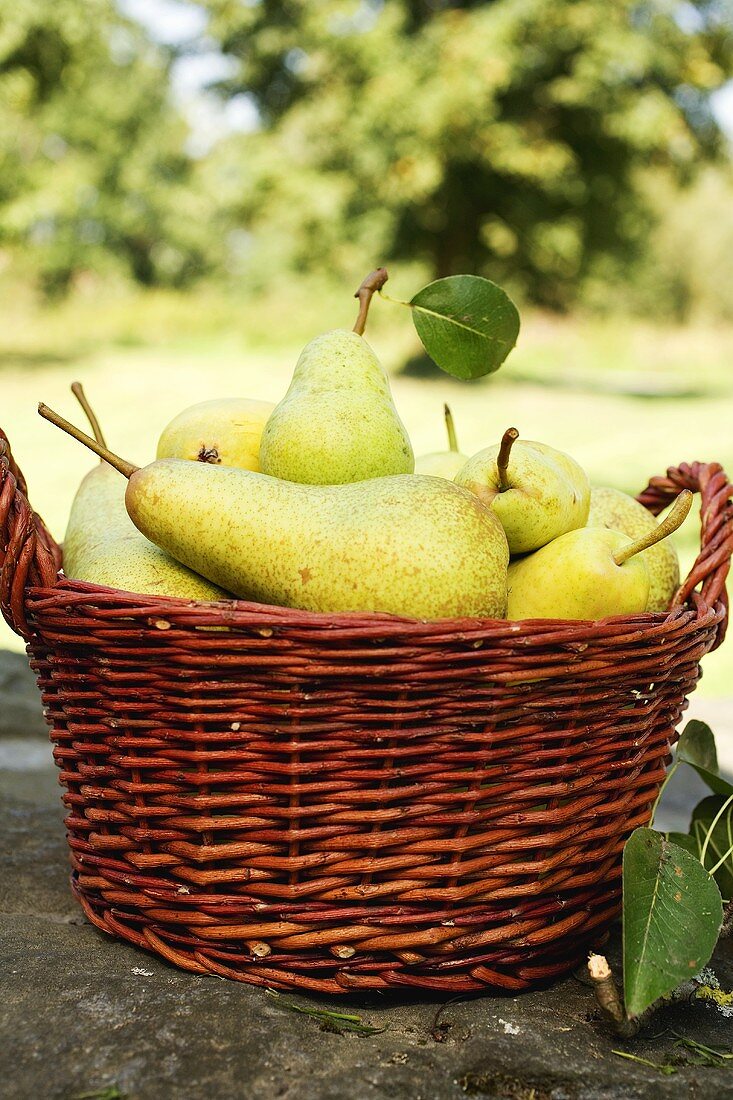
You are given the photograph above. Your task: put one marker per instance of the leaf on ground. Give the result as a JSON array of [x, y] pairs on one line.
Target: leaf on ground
[[110, 1093], [337, 1022], [468, 325], [660, 1067], [672, 913], [697, 1054]]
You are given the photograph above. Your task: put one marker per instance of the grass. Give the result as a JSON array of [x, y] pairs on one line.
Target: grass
[[626, 398]]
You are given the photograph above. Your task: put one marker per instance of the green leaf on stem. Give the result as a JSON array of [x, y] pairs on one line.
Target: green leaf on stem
[[467, 324], [672, 913], [696, 746]]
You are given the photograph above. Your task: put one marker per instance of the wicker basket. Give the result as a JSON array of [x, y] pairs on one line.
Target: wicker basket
[[354, 802]]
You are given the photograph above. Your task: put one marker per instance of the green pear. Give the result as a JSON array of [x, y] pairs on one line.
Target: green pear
[[537, 492], [337, 422], [406, 544], [103, 546], [443, 463], [226, 431], [617, 510], [588, 573]]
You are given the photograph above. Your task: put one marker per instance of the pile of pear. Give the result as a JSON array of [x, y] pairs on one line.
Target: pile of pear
[[318, 503]]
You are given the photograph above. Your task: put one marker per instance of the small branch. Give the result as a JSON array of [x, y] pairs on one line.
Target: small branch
[[611, 1006], [374, 281], [726, 928], [78, 391], [511, 435], [125, 468], [608, 996]]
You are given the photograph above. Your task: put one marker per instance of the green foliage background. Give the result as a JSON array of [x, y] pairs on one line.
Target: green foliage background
[[93, 171], [543, 143]]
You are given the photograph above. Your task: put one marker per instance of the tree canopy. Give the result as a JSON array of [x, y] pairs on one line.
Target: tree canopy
[[504, 137], [93, 169], [511, 138]]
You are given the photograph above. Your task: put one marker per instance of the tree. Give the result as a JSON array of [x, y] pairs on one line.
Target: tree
[[504, 137], [93, 168]]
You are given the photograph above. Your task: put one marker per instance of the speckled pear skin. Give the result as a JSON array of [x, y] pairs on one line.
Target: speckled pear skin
[[337, 423], [227, 431], [620, 512], [575, 577], [103, 546], [549, 492], [441, 464], [410, 545]]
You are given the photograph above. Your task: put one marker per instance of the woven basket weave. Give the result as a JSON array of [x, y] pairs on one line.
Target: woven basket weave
[[350, 802]]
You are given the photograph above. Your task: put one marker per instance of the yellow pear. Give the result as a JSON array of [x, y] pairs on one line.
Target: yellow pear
[[614, 509], [537, 492], [588, 573], [225, 432], [103, 546]]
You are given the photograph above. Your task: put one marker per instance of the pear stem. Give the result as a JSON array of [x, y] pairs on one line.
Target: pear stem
[[679, 513], [78, 391], [125, 468], [374, 281], [450, 428], [509, 438]]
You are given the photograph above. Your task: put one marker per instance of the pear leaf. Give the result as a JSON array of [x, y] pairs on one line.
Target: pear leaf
[[672, 913], [684, 840], [467, 324], [714, 782], [696, 746]]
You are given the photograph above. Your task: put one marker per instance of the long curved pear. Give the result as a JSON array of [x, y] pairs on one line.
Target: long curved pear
[[103, 546], [588, 573], [408, 545]]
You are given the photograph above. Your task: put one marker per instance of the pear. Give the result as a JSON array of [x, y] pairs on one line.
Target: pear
[[588, 573], [617, 510], [537, 492], [443, 463], [405, 544], [226, 431], [103, 546], [337, 422]]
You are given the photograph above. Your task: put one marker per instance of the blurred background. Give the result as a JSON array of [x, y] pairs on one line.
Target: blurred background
[[190, 191]]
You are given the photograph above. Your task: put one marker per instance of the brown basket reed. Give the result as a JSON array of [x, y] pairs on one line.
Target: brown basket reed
[[353, 802]]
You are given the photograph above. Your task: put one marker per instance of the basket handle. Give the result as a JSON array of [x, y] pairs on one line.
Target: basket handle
[[28, 554], [716, 528]]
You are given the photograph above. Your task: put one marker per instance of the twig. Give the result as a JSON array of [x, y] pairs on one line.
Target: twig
[[610, 1004]]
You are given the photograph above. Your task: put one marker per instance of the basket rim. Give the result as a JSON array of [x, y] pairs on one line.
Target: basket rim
[[248, 612]]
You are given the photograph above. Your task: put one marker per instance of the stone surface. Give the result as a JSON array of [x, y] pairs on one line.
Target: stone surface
[[81, 1013], [21, 705]]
